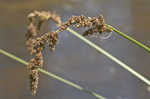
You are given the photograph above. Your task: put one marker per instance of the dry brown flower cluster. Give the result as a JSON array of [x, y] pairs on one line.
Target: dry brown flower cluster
[[94, 24], [36, 40]]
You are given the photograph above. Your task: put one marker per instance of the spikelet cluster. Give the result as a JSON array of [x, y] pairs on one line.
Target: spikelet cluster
[[94, 24], [36, 41]]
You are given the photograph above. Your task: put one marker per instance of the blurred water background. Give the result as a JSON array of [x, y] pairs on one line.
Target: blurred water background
[[73, 59]]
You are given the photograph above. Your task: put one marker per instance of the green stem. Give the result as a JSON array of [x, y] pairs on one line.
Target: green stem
[[53, 76], [13, 57], [130, 38], [133, 72]]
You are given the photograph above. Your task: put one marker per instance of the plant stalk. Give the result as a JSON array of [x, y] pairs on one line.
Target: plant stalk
[[98, 96], [125, 66], [129, 38]]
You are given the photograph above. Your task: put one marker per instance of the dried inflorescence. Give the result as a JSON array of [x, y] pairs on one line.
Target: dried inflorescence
[[33, 66], [94, 24], [36, 41], [37, 44], [53, 38], [36, 19]]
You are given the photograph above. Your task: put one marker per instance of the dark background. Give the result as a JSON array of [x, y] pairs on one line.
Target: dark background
[[73, 59]]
